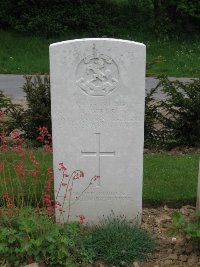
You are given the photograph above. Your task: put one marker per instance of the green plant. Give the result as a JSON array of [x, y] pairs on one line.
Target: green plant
[[176, 15], [179, 112], [13, 113], [190, 228], [118, 242], [38, 114], [28, 235], [173, 120], [152, 136]]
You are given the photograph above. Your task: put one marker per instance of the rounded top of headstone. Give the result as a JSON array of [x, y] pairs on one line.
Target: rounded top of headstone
[[98, 40]]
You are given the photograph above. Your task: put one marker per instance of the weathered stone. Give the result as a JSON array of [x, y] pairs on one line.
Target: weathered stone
[[97, 96]]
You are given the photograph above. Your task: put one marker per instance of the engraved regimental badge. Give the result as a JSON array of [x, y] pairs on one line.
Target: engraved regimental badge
[[97, 74]]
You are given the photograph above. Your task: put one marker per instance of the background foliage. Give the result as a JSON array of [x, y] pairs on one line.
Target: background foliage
[[38, 114], [99, 17], [175, 119]]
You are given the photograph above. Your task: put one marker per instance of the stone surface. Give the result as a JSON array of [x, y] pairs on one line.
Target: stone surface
[[98, 91]]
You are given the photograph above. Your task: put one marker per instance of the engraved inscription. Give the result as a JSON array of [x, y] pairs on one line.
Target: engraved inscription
[[98, 154], [100, 196], [97, 74]]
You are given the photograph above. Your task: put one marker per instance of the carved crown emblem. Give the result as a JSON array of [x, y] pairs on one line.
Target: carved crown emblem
[[97, 74]]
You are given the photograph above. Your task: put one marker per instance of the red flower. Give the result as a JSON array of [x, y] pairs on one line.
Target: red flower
[[31, 156], [35, 172], [62, 167], [81, 218], [35, 162], [78, 174], [95, 178], [64, 184], [18, 148]]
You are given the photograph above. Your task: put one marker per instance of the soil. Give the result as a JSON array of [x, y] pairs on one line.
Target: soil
[[171, 251]]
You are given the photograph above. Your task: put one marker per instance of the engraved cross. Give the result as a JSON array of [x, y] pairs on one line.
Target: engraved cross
[[98, 154]]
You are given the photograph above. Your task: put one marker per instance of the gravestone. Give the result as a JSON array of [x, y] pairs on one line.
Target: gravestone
[[97, 95]]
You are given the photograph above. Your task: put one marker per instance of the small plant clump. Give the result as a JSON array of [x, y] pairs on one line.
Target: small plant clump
[[190, 228], [118, 242], [29, 235], [38, 113], [175, 120]]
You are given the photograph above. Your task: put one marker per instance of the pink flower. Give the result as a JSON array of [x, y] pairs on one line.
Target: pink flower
[[35, 172], [64, 184], [95, 178], [35, 162], [31, 156], [18, 148], [78, 174], [15, 133], [81, 218], [62, 167]]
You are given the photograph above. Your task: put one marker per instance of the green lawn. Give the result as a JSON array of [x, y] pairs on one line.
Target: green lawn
[[167, 178], [170, 178], [22, 54]]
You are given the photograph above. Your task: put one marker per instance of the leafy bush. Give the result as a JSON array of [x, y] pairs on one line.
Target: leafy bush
[[191, 228], [117, 242], [99, 17], [13, 113], [152, 135], [179, 112], [176, 15], [174, 120], [52, 18], [27, 235], [38, 98]]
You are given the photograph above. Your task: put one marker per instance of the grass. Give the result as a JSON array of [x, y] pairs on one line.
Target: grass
[[167, 178], [117, 242], [23, 54], [170, 178]]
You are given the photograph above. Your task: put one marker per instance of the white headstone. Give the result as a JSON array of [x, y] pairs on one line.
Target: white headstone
[[97, 94]]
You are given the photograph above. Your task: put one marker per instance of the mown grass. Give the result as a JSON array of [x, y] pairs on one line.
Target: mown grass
[[167, 178], [23, 54], [170, 178]]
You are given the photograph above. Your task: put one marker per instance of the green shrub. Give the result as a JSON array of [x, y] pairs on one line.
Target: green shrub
[[176, 15], [13, 113], [51, 18], [152, 137], [117, 242], [38, 114], [99, 17], [179, 112], [174, 120], [191, 228], [27, 236]]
